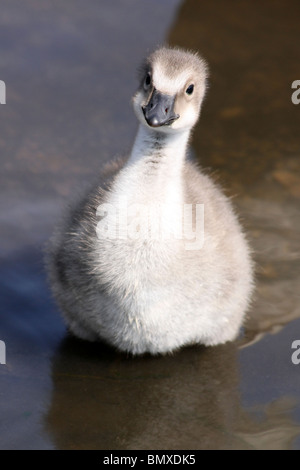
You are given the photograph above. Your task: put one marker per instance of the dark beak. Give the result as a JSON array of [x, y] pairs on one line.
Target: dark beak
[[160, 110]]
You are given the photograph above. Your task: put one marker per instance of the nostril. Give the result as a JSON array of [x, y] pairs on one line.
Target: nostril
[[151, 105], [166, 110]]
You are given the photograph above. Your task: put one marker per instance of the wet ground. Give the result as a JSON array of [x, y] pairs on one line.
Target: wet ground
[[69, 69]]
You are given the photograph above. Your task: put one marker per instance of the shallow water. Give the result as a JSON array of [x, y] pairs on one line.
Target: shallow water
[[69, 74]]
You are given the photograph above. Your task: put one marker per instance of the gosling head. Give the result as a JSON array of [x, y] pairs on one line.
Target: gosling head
[[172, 87]]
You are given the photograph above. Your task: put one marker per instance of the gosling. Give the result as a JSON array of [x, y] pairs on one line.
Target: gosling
[[153, 257]]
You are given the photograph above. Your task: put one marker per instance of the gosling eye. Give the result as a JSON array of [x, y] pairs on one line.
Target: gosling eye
[[147, 81], [190, 89]]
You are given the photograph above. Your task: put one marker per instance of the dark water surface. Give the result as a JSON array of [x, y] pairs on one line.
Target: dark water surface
[[69, 69]]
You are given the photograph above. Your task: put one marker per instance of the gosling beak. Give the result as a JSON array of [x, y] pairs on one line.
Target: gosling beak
[[160, 110]]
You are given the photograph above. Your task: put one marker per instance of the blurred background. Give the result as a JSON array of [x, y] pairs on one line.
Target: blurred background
[[70, 71]]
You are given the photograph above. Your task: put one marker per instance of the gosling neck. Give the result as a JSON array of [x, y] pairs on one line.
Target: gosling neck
[[158, 149]]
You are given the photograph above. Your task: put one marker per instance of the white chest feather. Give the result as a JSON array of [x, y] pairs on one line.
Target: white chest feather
[[140, 224]]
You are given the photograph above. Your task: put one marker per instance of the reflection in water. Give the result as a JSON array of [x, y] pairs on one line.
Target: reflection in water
[[104, 400]]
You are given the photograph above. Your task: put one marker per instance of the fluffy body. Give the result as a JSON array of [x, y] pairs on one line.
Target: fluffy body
[[153, 295]]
